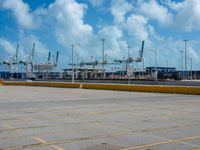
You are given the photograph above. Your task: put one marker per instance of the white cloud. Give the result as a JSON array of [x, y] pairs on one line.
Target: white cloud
[[172, 4], [7, 46], [26, 42], [96, 3], [193, 54], [63, 20], [25, 46], [114, 44], [21, 12], [188, 17], [67, 19], [119, 9], [155, 11], [137, 26]]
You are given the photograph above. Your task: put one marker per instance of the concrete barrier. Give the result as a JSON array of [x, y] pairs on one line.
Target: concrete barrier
[[145, 88], [44, 84], [14, 83], [119, 87], [54, 84], [1, 82]]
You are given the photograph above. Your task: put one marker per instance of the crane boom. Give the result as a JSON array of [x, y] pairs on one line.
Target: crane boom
[[142, 50], [49, 57], [57, 57], [31, 58], [15, 57]]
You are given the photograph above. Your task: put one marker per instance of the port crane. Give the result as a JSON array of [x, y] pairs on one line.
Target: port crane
[[131, 59], [11, 61], [91, 63], [28, 62]]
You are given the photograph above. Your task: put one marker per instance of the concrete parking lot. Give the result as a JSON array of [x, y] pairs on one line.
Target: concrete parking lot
[[41, 118]]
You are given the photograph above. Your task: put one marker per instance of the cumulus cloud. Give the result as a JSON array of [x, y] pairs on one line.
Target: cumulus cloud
[[172, 4], [137, 26], [20, 11], [119, 9], [155, 11], [63, 21], [67, 17], [25, 46], [27, 40], [7, 46], [188, 16], [115, 45], [96, 3]]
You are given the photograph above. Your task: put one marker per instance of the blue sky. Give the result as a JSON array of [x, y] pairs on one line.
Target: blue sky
[[54, 24]]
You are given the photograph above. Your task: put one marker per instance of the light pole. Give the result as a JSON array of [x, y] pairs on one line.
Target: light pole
[[73, 45], [103, 59], [156, 69], [185, 41], [181, 64], [190, 67], [167, 62]]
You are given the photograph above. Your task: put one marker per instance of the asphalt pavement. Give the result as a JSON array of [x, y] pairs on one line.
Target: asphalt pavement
[[42, 118]]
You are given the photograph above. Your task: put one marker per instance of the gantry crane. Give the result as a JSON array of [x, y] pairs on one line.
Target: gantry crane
[[49, 58], [140, 57], [57, 58], [131, 59], [11, 60], [28, 62]]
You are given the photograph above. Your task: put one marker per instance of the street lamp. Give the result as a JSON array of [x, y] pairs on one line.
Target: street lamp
[[185, 41], [167, 62], [103, 59], [73, 45], [190, 67], [126, 60], [156, 73], [181, 63]]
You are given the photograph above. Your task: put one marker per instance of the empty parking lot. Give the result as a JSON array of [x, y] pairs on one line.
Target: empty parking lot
[[34, 118]]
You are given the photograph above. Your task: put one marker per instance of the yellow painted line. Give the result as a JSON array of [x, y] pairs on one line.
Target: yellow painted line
[[183, 142], [36, 138], [57, 147], [162, 143], [116, 134], [45, 134], [91, 113], [44, 142], [8, 126], [39, 140]]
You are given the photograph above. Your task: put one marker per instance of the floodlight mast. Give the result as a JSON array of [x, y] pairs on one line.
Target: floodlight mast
[[156, 68], [72, 46], [103, 58], [185, 42]]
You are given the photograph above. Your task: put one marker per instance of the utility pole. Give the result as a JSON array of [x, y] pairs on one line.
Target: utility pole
[[190, 67], [181, 64], [185, 41], [128, 51], [73, 45], [103, 58], [123, 66], [167, 62], [156, 68], [77, 59], [127, 62]]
